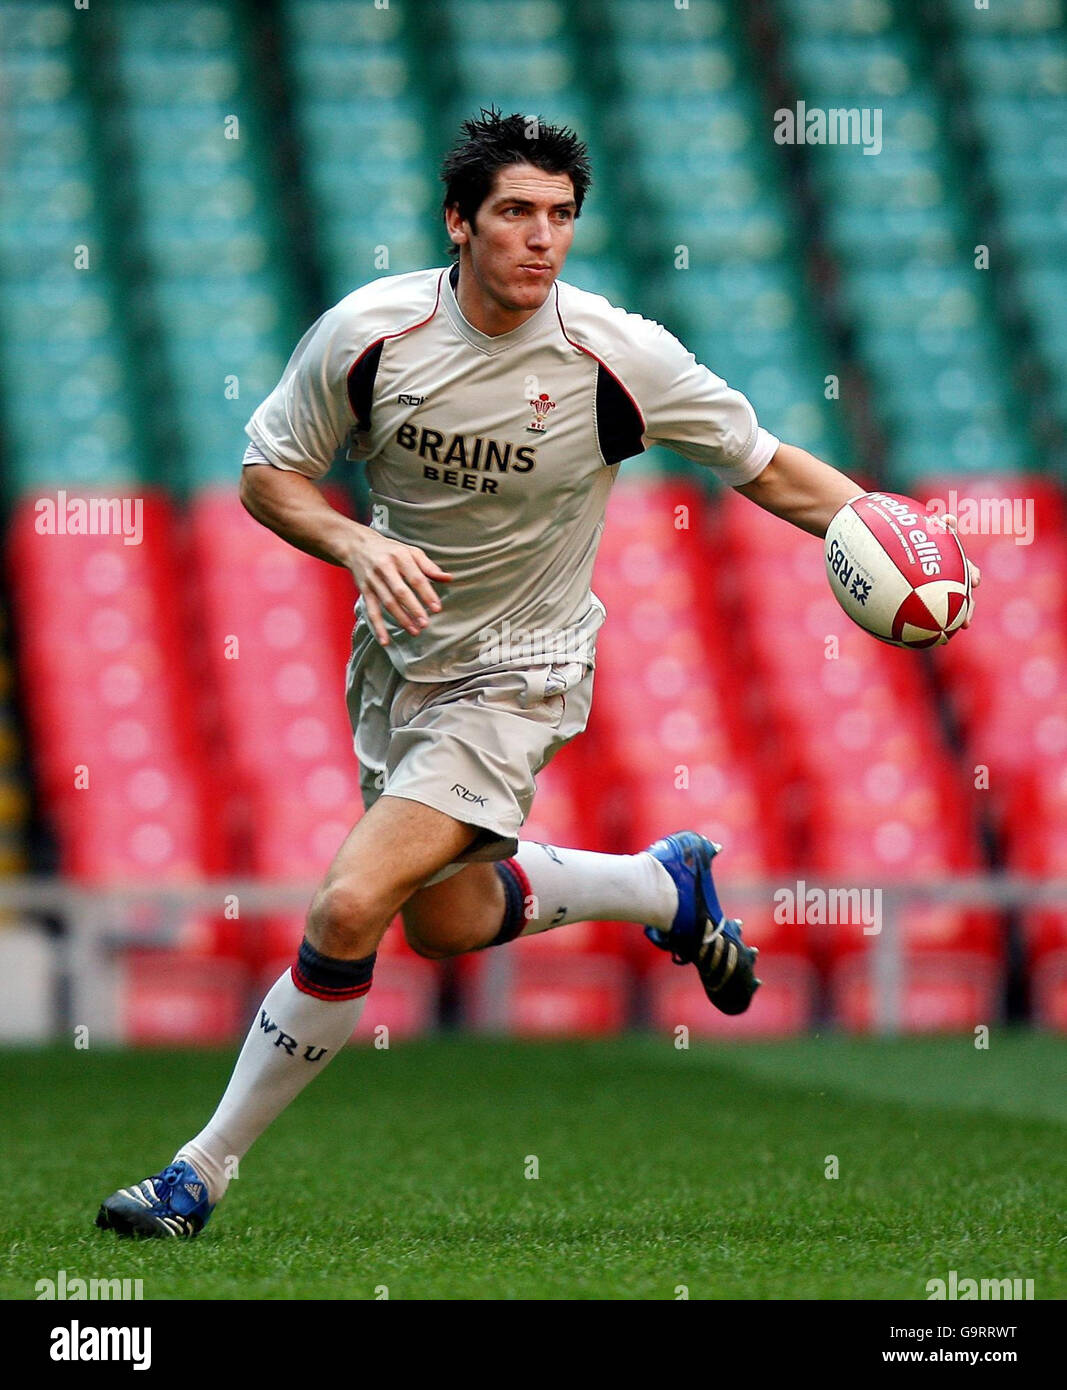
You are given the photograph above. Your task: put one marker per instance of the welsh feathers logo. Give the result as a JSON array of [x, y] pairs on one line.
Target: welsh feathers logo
[[542, 404]]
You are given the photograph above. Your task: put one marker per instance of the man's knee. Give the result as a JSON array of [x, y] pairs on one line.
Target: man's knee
[[344, 918]]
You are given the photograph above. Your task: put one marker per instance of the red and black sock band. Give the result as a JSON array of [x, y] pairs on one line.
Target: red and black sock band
[[327, 978], [516, 894]]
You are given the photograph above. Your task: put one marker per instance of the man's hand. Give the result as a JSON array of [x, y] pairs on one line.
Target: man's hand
[[976, 573], [800, 488], [393, 578]]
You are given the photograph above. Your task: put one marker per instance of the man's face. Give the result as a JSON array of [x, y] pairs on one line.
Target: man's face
[[525, 229]]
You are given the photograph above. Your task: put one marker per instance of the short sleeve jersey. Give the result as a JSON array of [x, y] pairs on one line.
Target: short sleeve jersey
[[497, 455]]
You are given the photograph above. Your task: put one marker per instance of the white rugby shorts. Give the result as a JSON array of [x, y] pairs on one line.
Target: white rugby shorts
[[470, 748]]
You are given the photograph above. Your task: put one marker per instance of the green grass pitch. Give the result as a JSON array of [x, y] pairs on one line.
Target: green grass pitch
[[656, 1169]]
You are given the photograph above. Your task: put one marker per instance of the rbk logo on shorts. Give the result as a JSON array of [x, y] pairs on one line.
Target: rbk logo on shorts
[[468, 795]]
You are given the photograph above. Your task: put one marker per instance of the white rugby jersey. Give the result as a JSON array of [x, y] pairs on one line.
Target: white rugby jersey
[[496, 455]]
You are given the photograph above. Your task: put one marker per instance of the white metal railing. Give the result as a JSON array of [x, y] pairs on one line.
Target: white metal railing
[[91, 926]]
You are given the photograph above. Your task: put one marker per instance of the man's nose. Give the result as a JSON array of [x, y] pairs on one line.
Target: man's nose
[[540, 232]]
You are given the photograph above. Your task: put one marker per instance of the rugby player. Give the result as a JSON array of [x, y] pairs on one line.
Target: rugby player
[[492, 405]]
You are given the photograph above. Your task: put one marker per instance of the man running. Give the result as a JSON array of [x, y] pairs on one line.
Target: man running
[[492, 405]]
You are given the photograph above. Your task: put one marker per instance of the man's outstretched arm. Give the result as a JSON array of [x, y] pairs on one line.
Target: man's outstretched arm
[[802, 489], [391, 576]]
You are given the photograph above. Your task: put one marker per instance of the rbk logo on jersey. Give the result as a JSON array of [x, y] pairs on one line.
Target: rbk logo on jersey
[[542, 404], [405, 399]]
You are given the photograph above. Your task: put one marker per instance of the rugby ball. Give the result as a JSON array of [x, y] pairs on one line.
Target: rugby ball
[[897, 572]]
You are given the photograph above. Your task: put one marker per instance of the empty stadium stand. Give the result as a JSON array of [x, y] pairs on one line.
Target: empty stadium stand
[[872, 793], [184, 692]]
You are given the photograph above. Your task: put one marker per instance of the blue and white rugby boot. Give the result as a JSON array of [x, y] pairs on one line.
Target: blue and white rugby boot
[[701, 933], [171, 1203]]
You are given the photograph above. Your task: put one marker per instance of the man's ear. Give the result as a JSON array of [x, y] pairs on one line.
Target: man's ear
[[454, 226]]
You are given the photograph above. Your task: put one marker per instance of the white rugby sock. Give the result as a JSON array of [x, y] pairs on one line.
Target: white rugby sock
[[576, 885], [294, 1036]]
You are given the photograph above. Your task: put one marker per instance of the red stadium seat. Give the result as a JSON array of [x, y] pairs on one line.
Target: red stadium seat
[[275, 638], [586, 1000], [677, 706], [871, 790], [1037, 845], [1007, 679], [1046, 940], [1007, 676], [169, 997], [952, 992], [117, 727], [115, 722]]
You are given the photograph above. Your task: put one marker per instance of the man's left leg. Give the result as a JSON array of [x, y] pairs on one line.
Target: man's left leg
[[495, 740], [539, 887], [667, 888]]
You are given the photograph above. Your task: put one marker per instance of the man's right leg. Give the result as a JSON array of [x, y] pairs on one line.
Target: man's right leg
[[309, 1013]]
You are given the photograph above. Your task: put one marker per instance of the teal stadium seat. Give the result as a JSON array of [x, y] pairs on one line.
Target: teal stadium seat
[[1019, 66], [860, 18], [901, 231], [1015, 64], [708, 178], [363, 127], [218, 275], [1024, 17], [63, 373]]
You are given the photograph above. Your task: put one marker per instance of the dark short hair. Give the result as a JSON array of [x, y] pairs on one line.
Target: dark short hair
[[492, 142]]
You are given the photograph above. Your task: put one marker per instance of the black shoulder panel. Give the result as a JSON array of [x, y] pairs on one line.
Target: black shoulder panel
[[361, 385], [619, 425]]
